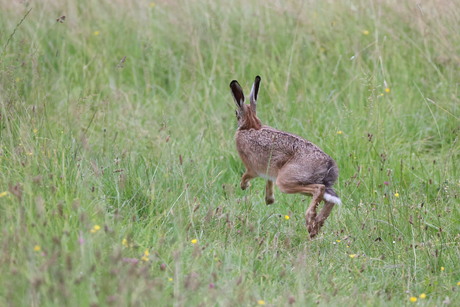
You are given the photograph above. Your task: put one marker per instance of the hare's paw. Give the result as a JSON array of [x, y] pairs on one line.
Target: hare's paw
[[245, 185], [313, 229], [310, 221], [313, 233], [269, 200]]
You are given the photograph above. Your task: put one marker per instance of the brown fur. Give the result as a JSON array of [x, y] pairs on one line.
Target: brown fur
[[294, 164], [251, 121]]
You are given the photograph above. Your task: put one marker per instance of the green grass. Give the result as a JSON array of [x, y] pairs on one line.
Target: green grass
[[144, 149]]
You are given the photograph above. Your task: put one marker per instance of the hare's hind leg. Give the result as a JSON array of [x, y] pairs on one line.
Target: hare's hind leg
[[310, 215], [324, 214], [269, 197], [290, 185], [330, 199]]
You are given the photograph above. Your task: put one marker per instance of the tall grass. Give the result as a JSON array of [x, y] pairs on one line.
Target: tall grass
[[116, 152]]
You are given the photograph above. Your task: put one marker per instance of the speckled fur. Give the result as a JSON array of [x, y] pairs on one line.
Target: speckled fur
[[267, 150], [294, 164]]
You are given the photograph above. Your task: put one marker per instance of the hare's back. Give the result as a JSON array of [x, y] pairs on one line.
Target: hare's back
[[267, 150], [288, 143]]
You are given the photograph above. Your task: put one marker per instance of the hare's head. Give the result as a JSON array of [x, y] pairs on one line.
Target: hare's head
[[246, 114]]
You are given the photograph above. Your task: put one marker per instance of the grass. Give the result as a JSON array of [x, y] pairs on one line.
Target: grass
[[119, 177]]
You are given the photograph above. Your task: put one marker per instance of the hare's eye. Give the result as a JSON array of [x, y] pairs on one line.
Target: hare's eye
[[238, 116]]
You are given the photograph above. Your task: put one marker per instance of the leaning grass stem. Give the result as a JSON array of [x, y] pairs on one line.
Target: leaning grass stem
[[14, 31]]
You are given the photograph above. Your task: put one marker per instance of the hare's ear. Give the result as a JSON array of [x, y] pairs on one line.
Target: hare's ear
[[237, 93], [254, 93]]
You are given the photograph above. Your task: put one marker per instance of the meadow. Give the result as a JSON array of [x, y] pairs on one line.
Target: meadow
[[119, 176]]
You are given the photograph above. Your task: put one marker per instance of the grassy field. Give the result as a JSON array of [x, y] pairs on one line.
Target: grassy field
[[119, 176]]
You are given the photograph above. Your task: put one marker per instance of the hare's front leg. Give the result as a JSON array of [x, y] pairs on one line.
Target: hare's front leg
[[269, 197], [245, 179]]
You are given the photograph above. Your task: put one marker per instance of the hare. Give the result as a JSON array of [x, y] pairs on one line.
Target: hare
[[294, 164]]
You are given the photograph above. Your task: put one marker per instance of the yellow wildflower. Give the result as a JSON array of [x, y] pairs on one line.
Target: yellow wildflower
[[35, 130], [260, 302], [458, 283], [413, 299], [124, 242], [338, 241], [422, 296], [387, 90], [170, 279], [365, 32], [340, 132], [194, 241], [96, 33], [352, 255], [152, 4], [95, 228], [3, 194], [37, 248], [396, 194], [442, 268], [286, 217], [145, 257]]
